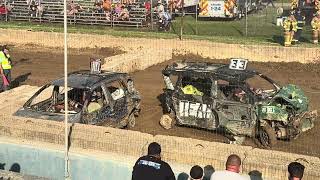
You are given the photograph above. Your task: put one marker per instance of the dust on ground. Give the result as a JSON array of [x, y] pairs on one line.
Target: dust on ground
[[37, 66]]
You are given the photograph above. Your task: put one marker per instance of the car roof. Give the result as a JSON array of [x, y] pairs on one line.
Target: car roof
[[215, 70], [86, 80]]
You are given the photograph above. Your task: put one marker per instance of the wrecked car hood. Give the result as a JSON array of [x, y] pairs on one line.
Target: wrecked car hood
[[295, 96]]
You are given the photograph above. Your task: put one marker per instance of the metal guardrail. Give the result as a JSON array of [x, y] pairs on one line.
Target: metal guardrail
[[52, 14]]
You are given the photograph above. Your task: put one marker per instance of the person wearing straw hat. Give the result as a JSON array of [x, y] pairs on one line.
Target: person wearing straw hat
[[5, 68]]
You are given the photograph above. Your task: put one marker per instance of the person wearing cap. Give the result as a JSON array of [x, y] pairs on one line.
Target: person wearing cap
[[151, 166], [315, 24], [5, 66], [233, 166], [295, 171], [290, 27], [196, 173]]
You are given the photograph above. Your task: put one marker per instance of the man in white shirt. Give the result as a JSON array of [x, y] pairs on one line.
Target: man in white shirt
[[233, 165]]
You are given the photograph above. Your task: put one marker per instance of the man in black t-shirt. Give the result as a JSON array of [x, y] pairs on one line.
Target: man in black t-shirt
[[151, 167], [296, 171]]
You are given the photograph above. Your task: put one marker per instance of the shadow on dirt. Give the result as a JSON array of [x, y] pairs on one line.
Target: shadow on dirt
[[19, 80]]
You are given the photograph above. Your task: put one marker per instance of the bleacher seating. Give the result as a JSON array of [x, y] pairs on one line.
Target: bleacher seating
[[53, 13]]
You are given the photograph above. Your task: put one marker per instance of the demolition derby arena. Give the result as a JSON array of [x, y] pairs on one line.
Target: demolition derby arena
[[39, 62]]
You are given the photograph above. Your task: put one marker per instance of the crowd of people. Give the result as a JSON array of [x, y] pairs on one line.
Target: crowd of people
[[115, 11], [152, 167]]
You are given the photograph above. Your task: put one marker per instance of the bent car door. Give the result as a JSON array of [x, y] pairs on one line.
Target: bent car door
[[236, 113], [117, 98], [194, 107]]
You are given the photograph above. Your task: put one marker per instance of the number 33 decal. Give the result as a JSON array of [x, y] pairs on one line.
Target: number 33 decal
[[238, 64]]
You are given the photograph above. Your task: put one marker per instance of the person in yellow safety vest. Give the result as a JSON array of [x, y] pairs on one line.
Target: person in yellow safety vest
[[229, 7], [226, 8], [5, 66], [290, 27], [294, 4], [190, 89], [315, 24]]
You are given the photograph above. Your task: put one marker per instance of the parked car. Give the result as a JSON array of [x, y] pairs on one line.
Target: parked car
[[227, 98], [106, 99]]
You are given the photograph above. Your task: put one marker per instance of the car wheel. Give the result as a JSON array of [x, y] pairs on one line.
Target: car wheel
[[267, 136], [166, 121], [131, 121]]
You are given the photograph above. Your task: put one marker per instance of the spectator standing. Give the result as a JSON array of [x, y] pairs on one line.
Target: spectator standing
[[160, 8], [147, 6], [232, 171], [33, 9], [296, 171], [196, 173], [3, 9], [208, 171], [151, 166]]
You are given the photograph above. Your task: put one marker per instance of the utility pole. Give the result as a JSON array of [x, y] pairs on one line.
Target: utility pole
[[197, 17], [66, 155], [151, 14], [5, 7], [246, 17], [181, 27]]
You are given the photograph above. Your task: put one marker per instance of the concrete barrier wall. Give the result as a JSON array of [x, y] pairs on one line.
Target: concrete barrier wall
[[203, 48], [133, 61], [48, 162]]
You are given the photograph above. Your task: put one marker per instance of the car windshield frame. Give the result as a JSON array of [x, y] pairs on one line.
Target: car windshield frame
[[30, 107]]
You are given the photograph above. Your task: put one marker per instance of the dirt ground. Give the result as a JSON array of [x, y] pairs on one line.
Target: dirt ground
[[39, 66], [35, 66]]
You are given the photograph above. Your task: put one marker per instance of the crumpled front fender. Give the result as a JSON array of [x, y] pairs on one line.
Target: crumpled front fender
[[305, 121]]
